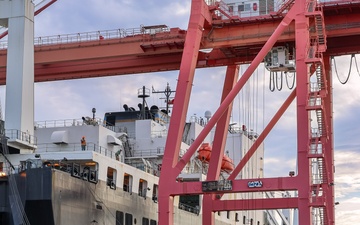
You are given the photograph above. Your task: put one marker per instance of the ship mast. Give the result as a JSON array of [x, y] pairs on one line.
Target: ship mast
[[167, 93]]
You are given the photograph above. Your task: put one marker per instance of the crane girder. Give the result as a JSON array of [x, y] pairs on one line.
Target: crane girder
[[236, 42]]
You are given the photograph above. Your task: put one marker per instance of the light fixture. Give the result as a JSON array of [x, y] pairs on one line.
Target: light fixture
[[206, 50]]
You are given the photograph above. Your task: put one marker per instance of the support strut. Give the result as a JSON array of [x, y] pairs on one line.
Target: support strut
[[302, 182]]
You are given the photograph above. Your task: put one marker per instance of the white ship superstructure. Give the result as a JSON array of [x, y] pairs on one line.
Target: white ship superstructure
[[114, 179]]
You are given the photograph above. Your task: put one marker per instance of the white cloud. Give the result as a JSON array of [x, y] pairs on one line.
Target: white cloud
[[279, 166], [347, 176], [348, 211]]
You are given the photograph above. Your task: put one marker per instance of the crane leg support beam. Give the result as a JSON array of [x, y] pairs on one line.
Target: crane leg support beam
[[231, 77], [303, 116], [230, 97], [263, 135], [199, 14], [329, 146]]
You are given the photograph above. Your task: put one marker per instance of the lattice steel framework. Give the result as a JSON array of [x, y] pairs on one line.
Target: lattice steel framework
[[313, 148]]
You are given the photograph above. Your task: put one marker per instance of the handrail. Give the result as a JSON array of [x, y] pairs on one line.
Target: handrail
[[94, 35], [21, 135], [67, 123]]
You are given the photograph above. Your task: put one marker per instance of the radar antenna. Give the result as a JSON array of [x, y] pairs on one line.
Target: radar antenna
[[168, 99]]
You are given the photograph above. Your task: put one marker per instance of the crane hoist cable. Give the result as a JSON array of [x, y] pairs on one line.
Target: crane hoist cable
[[350, 68], [277, 81], [357, 67], [271, 82], [288, 75]]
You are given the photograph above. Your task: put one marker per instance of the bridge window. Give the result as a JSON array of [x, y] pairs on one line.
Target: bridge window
[[128, 182], [241, 8], [111, 178], [128, 219], [119, 218], [145, 221], [153, 222], [143, 188], [231, 8], [155, 192]]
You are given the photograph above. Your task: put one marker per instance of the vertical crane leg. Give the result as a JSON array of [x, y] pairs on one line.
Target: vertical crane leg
[[167, 183], [303, 118], [219, 144], [329, 146]]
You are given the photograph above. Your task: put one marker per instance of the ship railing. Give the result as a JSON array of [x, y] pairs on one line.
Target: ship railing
[[68, 122], [146, 168], [153, 134], [50, 147], [104, 151], [21, 135], [148, 152], [158, 134], [198, 120]]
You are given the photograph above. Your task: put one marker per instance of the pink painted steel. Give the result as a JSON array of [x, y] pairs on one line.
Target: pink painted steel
[[222, 125], [301, 182], [167, 182], [44, 7], [329, 191], [230, 97], [241, 185], [263, 135], [254, 204], [5, 33], [303, 117], [220, 136]]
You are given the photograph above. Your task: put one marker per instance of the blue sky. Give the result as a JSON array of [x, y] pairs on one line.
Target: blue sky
[[75, 98]]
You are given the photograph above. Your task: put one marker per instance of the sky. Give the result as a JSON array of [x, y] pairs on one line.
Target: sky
[[75, 98]]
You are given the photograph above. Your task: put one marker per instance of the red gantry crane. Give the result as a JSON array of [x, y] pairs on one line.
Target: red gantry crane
[[316, 30]]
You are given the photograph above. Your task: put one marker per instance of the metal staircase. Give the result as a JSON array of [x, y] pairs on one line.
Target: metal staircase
[[316, 96], [223, 9], [285, 6]]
